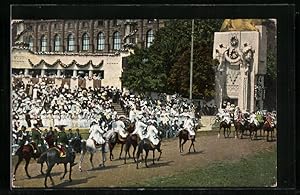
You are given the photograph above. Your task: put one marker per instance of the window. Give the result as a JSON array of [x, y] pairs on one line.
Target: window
[[30, 43], [100, 23], [56, 43], [116, 41], [115, 22], [85, 42], [150, 38], [69, 25], [55, 26], [84, 24], [71, 43], [101, 41], [43, 43], [43, 27]]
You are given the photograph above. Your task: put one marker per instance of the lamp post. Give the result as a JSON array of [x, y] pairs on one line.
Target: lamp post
[[191, 62]]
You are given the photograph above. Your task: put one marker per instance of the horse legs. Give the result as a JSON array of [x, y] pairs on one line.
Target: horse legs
[[183, 144], [153, 155], [42, 164], [126, 151], [147, 152], [81, 159], [121, 151], [133, 153], [49, 175], [111, 147], [103, 156], [219, 132], [193, 145], [180, 145], [27, 159], [91, 160], [190, 146], [65, 166], [17, 165], [159, 154], [70, 179]]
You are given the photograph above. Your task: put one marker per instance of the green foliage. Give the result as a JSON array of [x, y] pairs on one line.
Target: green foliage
[[167, 68], [254, 171], [271, 81]]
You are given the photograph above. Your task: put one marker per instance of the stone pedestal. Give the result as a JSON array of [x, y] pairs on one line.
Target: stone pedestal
[[242, 57]]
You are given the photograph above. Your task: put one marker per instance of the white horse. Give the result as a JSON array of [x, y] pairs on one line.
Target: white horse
[[90, 146]]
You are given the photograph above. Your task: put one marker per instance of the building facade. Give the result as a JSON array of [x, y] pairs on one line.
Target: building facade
[[78, 48]]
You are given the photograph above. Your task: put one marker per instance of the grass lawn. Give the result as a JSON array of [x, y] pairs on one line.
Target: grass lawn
[[258, 170]]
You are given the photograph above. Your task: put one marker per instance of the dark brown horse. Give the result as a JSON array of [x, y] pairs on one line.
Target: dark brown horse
[[27, 152], [267, 127], [184, 135], [131, 140], [146, 145], [241, 128], [52, 157], [226, 127], [116, 139]]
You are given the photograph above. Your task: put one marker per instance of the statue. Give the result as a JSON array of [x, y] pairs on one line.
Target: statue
[[240, 25]]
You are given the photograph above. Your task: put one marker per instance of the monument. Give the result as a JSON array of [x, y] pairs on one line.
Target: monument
[[241, 53]]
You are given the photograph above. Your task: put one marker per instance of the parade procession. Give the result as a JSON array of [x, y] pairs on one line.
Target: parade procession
[[99, 88]]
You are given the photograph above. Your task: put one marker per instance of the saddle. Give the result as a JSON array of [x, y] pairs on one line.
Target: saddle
[[120, 138], [61, 150], [189, 136], [151, 144], [96, 144], [34, 147]]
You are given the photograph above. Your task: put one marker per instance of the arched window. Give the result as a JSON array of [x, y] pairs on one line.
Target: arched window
[[30, 43], [56, 43], [116, 41], [71, 42], [43, 43], [149, 38], [101, 41], [85, 42]]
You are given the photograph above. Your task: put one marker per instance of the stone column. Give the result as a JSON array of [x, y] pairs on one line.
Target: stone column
[[26, 72], [90, 73], [74, 73], [43, 72], [58, 72]]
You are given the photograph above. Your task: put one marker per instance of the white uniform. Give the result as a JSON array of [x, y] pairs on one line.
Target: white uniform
[[189, 126], [253, 119], [96, 133], [152, 134], [140, 127], [120, 128], [131, 116]]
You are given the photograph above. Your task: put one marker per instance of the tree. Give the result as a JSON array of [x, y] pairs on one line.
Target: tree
[[143, 73], [168, 60]]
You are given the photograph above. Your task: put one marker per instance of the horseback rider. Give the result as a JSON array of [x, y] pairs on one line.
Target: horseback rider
[[62, 141], [189, 126], [77, 135], [120, 127], [269, 119], [226, 116], [253, 119], [140, 128], [70, 135], [96, 133], [259, 117], [239, 115], [152, 133], [22, 136], [36, 137]]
